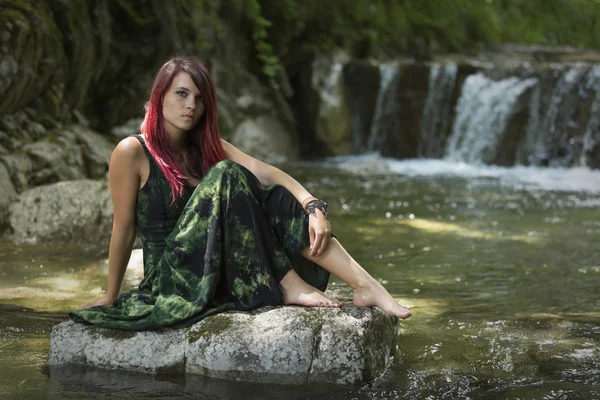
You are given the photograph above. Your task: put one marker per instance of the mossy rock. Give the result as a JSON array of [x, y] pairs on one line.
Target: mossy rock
[[285, 345]]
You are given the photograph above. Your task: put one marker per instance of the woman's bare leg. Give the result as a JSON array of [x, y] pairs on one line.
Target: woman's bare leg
[[367, 291]]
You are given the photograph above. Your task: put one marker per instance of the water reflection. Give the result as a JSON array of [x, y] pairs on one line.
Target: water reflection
[[118, 384]]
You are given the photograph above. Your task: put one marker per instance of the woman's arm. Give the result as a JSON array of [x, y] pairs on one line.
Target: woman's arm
[[266, 174], [319, 230], [124, 180]]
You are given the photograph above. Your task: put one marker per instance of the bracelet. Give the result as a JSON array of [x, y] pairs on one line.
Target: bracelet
[[317, 204], [309, 197]]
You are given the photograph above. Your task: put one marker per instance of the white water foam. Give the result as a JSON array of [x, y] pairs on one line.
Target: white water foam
[[482, 114], [578, 179]]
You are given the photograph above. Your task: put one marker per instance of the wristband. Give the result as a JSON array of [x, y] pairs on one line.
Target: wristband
[[312, 205]]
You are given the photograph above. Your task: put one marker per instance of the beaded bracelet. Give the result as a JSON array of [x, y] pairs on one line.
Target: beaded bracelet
[[312, 205]]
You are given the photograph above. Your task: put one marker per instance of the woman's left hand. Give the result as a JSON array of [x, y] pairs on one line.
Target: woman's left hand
[[319, 231]]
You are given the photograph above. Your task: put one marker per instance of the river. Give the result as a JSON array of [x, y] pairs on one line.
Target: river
[[500, 266]]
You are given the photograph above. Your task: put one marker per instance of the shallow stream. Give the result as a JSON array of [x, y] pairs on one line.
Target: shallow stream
[[501, 268]]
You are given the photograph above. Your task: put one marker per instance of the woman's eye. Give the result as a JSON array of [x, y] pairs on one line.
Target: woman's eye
[[181, 93], [198, 98]]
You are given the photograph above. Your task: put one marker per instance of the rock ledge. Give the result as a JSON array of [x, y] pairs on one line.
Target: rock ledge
[[292, 345]]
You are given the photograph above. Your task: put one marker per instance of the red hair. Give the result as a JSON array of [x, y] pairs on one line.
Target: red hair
[[202, 142]]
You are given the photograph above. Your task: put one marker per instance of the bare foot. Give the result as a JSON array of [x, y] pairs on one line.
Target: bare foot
[[297, 291], [373, 294]]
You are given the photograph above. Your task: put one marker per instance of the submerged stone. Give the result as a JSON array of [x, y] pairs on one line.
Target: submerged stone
[[292, 345]]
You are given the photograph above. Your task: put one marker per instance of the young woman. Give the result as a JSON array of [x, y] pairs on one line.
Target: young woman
[[220, 230]]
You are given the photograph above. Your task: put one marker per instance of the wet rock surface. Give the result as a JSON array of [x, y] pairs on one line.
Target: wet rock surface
[[361, 86], [262, 138], [332, 119], [67, 211], [291, 345]]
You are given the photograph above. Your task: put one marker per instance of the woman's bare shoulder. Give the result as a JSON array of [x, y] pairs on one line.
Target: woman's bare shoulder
[[129, 148]]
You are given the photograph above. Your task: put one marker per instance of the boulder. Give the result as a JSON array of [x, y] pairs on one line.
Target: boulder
[[70, 153], [95, 150], [19, 167], [74, 343], [73, 211], [130, 127], [287, 344], [55, 159], [7, 194], [265, 138], [75, 152]]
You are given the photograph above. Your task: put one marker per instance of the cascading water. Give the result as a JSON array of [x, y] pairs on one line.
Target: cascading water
[[591, 136], [547, 140], [482, 114], [327, 83], [437, 114], [385, 107], [531, 146], [547, 116]]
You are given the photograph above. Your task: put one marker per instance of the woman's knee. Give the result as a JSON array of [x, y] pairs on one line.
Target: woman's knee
[[225, 167], [230, 169]]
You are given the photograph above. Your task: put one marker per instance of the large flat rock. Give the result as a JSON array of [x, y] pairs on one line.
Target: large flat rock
[[292, 345]]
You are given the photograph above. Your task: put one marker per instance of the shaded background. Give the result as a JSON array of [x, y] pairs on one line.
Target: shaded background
[[92, 62]]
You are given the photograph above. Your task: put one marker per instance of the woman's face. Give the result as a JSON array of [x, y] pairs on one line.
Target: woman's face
[[182, 104]]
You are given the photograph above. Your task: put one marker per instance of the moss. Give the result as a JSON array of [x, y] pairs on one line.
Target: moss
[[211, 326], [113, 334]]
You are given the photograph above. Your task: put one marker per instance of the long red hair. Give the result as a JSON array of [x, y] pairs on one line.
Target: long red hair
[[203, 142]]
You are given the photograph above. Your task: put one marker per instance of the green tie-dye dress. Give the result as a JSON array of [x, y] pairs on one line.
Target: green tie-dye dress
[[224, 245]]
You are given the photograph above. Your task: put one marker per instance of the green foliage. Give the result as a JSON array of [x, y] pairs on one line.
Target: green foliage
[[284, 31], [265, 53], [133, 13]]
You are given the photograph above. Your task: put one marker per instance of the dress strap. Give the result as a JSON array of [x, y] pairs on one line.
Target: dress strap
[[154, 170], [143, 142]]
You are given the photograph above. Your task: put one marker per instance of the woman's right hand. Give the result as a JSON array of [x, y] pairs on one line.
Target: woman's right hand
[[102, 301]]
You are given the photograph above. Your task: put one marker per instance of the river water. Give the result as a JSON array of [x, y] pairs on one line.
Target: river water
[[501, 268]]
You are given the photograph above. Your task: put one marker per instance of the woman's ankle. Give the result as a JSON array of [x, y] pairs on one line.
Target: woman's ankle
[[361, 280], [291, 278]]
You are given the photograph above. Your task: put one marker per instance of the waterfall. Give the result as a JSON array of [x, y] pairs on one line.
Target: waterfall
[[591, 137], [327, 83], [385, 107], [482, 114], [547, 115], [551, 117], [531, 147], [568, 83], [437, 113]]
